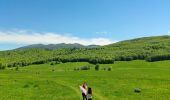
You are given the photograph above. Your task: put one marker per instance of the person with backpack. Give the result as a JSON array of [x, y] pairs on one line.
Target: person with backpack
[[89, 94]]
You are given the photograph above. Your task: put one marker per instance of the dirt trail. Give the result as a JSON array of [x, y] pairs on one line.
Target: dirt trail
[[74, 89], [98, 96]]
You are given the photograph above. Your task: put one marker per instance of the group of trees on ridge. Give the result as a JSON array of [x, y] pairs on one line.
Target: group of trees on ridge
[[149, 49]]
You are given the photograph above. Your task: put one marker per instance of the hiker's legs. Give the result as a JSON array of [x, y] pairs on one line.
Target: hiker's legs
[[84, 96]]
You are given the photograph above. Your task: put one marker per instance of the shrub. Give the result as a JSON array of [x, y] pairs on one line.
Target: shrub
[[97, 67], [36, 86], [52, 63], [57, 62], [9, 65], [37, 73], [39, 62], [75, 69], [84, 68], [26, 86], [109, 69], [17, 68], [137, 90], [2, 67]]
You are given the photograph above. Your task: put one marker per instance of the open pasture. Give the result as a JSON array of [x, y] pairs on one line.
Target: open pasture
[[61, 81]]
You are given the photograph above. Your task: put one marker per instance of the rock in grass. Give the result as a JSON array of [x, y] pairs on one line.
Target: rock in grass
[[137, 90]]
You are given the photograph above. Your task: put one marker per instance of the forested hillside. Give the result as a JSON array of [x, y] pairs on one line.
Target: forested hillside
[[147, 48]]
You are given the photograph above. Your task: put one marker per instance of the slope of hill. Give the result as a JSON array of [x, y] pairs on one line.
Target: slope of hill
[[147, 48], [143, 48], [58, 46]]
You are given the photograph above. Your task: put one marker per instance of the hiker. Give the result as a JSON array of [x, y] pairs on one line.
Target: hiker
[[83, 88], [89, 94]]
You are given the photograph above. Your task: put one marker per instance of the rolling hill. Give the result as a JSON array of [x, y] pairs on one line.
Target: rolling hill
[[147, 48]]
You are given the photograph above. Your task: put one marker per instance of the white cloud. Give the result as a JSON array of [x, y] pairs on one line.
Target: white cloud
[[27, 37]]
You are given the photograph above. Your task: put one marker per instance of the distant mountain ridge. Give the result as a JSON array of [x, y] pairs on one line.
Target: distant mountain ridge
[[155, 48], [58, 46]]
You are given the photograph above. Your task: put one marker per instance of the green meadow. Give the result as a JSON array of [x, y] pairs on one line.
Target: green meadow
[[62, 81]]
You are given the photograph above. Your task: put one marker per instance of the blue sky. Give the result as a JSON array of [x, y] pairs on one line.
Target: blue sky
[[24, 22]]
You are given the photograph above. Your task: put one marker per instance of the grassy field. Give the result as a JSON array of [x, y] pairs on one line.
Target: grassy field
[[61, 82]]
